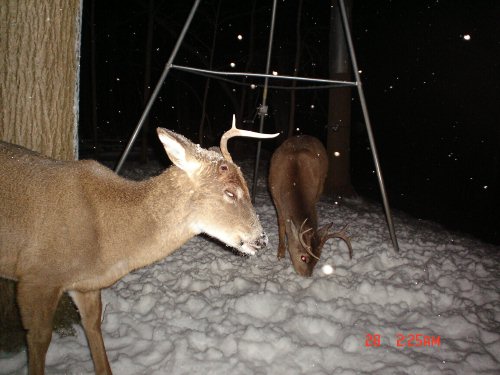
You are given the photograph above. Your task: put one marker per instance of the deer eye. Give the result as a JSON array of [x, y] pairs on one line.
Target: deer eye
[[230, 194], [304, 258], [223, 167]]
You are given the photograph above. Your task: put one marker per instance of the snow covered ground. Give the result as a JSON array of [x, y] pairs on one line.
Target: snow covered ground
[[434, 308]]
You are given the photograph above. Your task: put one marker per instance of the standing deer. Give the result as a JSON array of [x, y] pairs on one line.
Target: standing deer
[[296, 177], [78, 227]]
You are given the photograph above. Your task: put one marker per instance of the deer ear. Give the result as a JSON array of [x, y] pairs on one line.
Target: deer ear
[[180, 150], [295, 231]]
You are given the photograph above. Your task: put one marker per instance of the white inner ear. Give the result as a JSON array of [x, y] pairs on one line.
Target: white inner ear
[[177, 153], [172, 146]]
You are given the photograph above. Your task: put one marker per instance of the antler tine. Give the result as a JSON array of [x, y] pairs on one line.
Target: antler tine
[[302, 226], [303, 243], [344, 236], [308, 250], [235, 132]]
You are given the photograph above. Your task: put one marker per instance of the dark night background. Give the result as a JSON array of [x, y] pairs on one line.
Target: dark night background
[[429, 70]]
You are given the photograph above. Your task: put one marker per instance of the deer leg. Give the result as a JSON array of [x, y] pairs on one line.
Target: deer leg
[[90, 307], [37, 305], [281, 233]]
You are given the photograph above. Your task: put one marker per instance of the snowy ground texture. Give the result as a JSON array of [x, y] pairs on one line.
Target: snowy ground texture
[[205, 310]]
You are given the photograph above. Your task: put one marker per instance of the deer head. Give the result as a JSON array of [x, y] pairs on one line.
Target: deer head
[[218, 194], [306, 244]]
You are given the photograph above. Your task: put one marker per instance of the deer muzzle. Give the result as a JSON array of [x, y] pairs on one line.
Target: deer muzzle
[[251, 247]]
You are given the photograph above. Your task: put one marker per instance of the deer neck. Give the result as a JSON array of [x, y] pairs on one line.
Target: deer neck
[[167, 218], [143, 222]]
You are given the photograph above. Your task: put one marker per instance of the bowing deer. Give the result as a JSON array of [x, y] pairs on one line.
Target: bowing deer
[[296, 177], [78, 227]]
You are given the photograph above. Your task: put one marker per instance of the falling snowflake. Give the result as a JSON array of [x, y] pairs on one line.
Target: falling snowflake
[[327, 269]]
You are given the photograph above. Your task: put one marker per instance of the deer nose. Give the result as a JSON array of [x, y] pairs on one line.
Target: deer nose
[[262, 241]]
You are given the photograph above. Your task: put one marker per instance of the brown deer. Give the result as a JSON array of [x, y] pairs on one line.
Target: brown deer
[[296, 177], [77, 227]]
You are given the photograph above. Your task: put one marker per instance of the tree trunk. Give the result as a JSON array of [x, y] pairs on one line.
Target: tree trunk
[[39, 77], [39, 72], [338, 182]]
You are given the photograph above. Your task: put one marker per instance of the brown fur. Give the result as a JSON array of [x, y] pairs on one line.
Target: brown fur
[[296, 177], [78, 227]]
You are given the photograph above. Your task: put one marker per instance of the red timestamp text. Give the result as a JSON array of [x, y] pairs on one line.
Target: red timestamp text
[[405, 340], [417, 340]]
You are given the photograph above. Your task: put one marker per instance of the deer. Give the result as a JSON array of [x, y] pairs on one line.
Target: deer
[[297, 173], [78, 227]]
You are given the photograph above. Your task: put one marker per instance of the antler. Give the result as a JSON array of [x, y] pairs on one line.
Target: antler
[[235, 132], [303, 243], [340, 234]]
